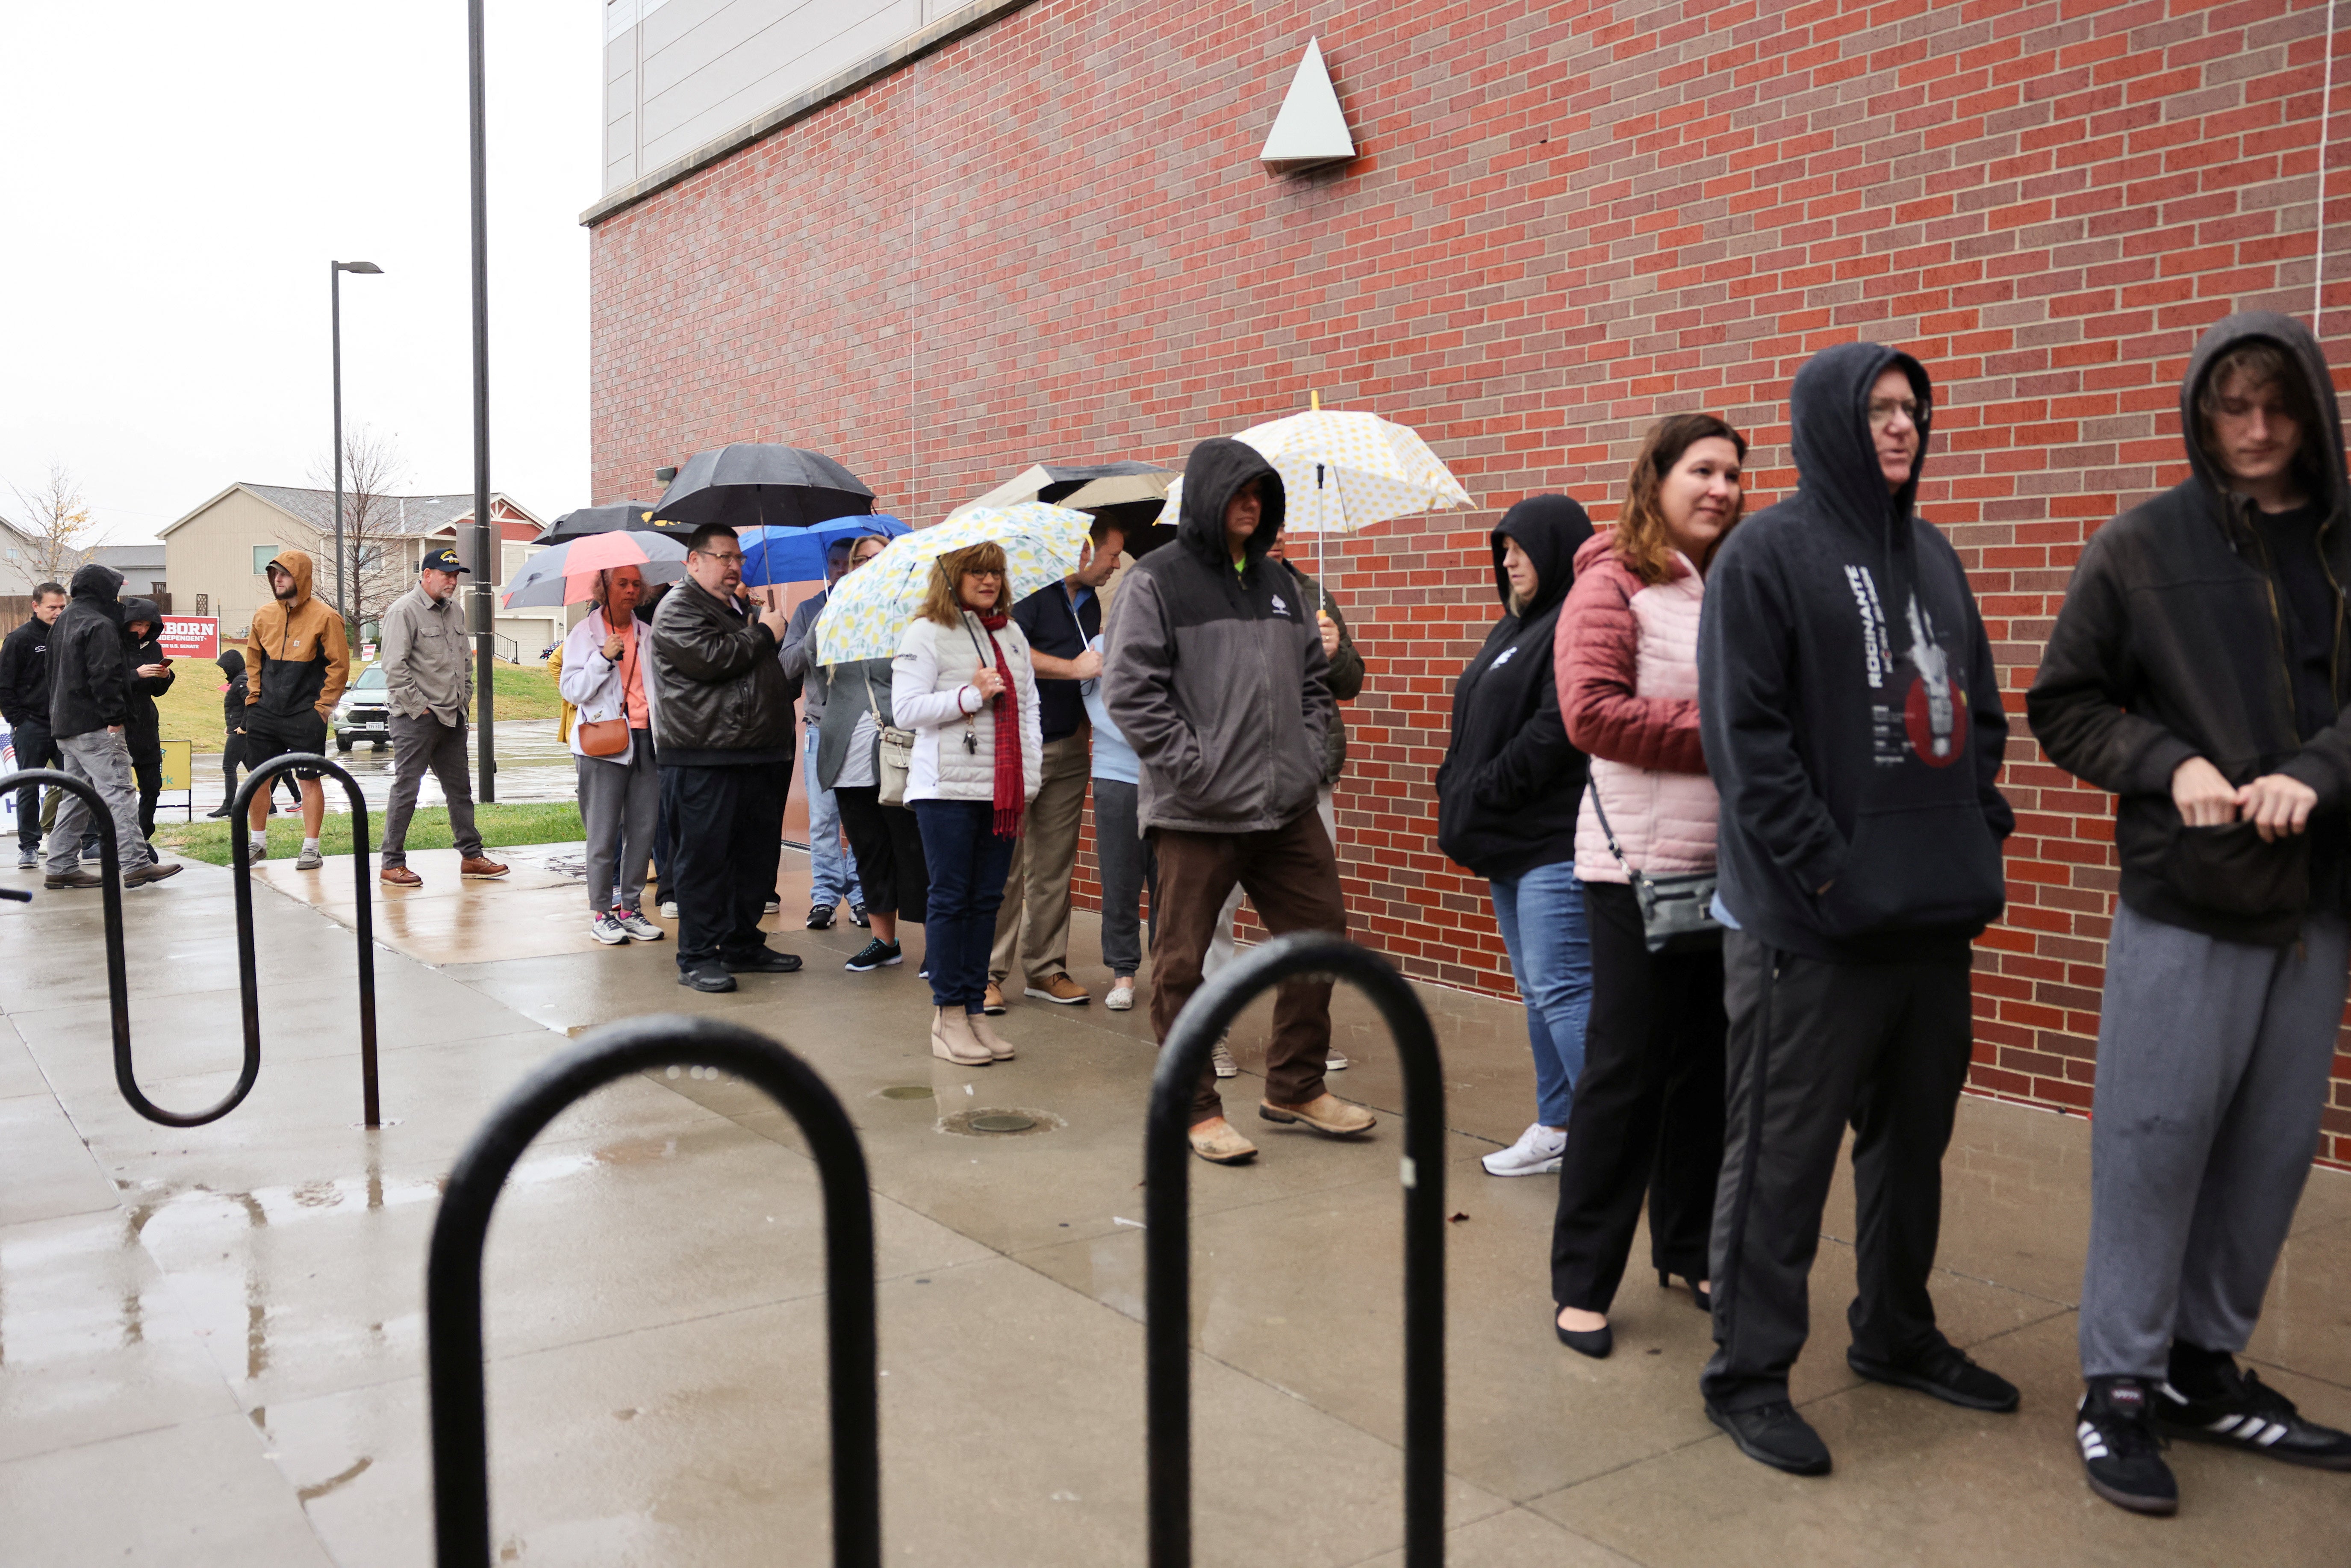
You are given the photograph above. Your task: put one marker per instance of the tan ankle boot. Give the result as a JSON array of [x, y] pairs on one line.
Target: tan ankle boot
[[999, 1048], [952, 1040]]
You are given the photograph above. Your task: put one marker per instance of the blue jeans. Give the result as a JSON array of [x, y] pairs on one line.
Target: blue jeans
[[1542, 921], [968, 864], [832, 867]]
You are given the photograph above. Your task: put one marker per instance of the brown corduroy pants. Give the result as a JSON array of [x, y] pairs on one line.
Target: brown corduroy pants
[[1292, 876]]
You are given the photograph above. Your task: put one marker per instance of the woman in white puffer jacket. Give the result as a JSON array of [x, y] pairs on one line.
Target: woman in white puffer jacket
[[962, 682], [1648, 1109]]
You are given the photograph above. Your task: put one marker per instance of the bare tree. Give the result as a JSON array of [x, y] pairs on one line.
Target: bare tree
[[57, 519], [375, 563]]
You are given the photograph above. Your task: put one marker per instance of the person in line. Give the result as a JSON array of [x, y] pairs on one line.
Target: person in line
[[1122, 853], [893, 881], [296, 662], [1506, 799], [151, 677], [1346, 681], [1649, 1100], [1032, 926], [232, 704], [832, 869], [964, 683], [1216, 675], [2198, 670], [1852, 721], [721, 712], [620, 791], [428, 683], [88, 709], [25, 704]]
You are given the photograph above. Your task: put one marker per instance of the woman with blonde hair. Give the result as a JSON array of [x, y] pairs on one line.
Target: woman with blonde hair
[[964, 684], [1648, 1109], [603, 677]]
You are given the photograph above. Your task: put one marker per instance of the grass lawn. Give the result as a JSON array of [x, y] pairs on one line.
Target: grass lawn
[[552, 822], [191, 710]]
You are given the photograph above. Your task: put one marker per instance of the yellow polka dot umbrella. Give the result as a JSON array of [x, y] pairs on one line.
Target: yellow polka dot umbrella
[[869, 610]]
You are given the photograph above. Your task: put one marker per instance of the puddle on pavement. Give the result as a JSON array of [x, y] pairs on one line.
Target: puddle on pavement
[[1000, 1121], [908, 1091]]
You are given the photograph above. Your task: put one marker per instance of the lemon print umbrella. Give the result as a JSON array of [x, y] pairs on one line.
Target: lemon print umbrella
[[870, 607]]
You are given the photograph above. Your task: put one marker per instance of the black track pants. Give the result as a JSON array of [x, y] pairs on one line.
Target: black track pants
[[1813, 1044]]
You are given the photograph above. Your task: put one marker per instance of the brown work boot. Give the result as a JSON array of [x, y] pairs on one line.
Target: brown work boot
[[77, 877], [1214, 1141], [999, 1048], [952, 1040], [481, 868], [398, 876], [153, 871], [993, 1004], [1326, 1113], [1062, 990]]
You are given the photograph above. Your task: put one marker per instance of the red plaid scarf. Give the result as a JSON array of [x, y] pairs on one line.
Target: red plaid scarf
[[1011, 789]]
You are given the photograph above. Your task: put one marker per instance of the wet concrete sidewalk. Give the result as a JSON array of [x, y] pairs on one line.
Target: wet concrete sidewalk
[[210, 1339]]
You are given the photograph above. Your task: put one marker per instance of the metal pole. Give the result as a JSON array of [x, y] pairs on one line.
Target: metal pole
[[335, 314], [484, 538]]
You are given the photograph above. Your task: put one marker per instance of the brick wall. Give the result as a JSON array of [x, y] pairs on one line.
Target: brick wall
[[1053, 239]]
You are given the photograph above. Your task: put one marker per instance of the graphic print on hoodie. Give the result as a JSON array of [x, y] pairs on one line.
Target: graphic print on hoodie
[[1848, 703]]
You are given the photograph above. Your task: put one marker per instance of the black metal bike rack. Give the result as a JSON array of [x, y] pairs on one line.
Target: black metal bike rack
[[453, 1270], [248, 983], [118, 967], [1167, 1239]]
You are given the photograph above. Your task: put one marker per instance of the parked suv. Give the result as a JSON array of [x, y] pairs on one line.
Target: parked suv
[[363, 714]]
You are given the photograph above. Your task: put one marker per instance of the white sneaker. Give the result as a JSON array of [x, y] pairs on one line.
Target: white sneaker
[[309, 860], [1122, 996], [638, 928], [1220, 1057], [668, 909], [1537, 1153], [1336, 1061], [606, 929]]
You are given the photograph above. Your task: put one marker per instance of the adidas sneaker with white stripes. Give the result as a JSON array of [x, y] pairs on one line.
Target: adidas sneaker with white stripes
[[2243, 1412], [2122, 1456]]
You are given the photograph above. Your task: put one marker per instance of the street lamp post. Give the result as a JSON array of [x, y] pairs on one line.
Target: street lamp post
[[485, 533], [335, 271]]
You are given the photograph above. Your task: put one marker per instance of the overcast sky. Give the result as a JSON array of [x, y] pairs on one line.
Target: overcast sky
[[175, 179]]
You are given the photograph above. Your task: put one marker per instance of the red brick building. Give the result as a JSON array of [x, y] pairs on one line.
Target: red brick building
[[1040, 230]]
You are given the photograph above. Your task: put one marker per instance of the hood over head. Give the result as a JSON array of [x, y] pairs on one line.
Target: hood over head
[[1828, 415], [231, 661], [2302, 352], [1551, 530], [145, 610], [100, 585], [297, 565], [1217, 468]]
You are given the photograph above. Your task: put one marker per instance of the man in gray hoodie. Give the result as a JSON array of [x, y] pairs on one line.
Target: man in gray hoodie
[[1215, 672]]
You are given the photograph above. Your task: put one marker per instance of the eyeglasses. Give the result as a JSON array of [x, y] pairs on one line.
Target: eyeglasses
[[732, 557], [1882, 411], [994, 571]]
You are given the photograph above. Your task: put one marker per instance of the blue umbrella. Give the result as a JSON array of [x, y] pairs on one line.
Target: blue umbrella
[[775, 555]]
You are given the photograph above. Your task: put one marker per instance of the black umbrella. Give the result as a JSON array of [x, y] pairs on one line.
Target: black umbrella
[[617, 516], [752, 485], [1128, 495]]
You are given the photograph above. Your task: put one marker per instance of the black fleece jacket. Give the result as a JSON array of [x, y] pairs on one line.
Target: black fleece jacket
[[25, 675], [1509, 789], [2171, 644], [89, 667], [144, 728], [1848, 702]]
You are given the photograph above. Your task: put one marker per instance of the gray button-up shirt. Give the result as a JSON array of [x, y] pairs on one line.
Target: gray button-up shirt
[[427, 666]]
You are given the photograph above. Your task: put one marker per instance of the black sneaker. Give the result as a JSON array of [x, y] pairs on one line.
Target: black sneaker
[[764, 961], [1944, 1372], [2122, 1453], [1774, 1435], [874, 956], [2247, 1413], [858, 917], [706, 977], [820, 917]]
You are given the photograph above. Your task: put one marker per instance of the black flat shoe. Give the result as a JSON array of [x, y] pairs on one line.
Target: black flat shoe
[[1774, 1435], [1945, 1373], [219, 811], [708, 978], [1593, 1343], [1705, 1299], [766, 961]]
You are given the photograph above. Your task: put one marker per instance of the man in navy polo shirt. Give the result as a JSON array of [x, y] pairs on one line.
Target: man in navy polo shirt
[[1032, 928]]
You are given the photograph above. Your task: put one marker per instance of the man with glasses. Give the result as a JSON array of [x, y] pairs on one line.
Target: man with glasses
[[1853, 725], [723, 733]]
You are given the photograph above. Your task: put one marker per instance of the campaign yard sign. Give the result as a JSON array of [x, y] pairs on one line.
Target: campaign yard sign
[[191, 637]]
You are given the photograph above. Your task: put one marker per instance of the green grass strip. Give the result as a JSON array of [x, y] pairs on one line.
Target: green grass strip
[[548, 823]]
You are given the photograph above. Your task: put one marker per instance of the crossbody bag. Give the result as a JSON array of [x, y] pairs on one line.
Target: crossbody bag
[[1677, 910], [610, 736], [893, 758]]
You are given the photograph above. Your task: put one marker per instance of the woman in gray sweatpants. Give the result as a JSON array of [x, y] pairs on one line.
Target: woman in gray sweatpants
[[620, 791]]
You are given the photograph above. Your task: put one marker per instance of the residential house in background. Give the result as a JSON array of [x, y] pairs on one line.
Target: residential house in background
[[218, 552]]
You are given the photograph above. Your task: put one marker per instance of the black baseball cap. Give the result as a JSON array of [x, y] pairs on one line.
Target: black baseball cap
[[443, 560]]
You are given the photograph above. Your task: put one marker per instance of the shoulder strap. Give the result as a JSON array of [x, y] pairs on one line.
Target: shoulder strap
[[1592, 785]]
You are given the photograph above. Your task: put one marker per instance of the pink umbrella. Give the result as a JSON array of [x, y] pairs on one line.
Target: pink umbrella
[[566, 574]]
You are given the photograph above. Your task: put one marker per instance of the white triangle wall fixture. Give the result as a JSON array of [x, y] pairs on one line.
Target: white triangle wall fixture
[[1311, 129]]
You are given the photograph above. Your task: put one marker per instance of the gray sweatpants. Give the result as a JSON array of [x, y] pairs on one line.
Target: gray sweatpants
[[418, 744], [105, 760], [619, 802], [2212, 1067]]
